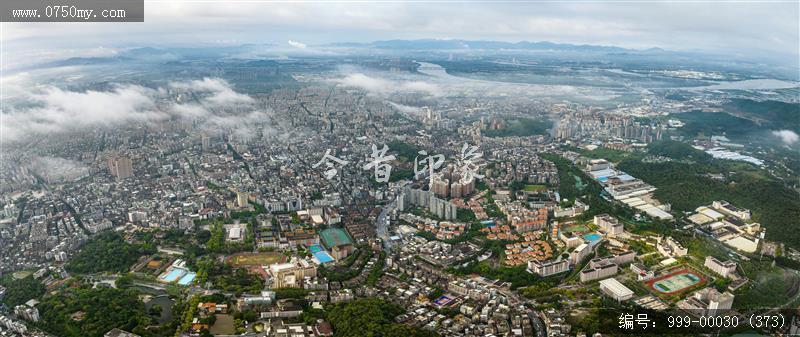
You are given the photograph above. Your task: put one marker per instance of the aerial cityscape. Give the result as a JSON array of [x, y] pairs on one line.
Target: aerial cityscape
[[403, 169]]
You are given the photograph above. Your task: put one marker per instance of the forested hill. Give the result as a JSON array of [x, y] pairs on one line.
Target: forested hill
[[686, 187], [769, 114]]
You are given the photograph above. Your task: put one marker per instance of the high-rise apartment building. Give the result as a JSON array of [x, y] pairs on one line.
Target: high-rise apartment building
[[120, 167]]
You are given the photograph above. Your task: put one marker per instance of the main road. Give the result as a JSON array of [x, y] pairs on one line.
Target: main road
[[382, 222], [382, 225]]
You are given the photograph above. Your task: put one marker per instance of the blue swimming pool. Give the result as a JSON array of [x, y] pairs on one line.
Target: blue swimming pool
[[592, 237], [173, 275], [323, 257], [188, 278]]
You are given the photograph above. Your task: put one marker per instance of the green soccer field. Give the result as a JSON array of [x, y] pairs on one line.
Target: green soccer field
[[333, 237], [575, 228], [534, 188]]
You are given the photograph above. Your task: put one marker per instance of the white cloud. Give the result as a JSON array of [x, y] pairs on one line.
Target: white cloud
[[788, 137], [365, 82], [212, 110], [243, 127], [221, 93], [54, 110], [420, 86], [296, 44], [99, 51], [57, 169], [406, 108], [189, 111], [383, 86]]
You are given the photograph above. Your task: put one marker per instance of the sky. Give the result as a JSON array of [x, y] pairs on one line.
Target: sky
[[736, 27]]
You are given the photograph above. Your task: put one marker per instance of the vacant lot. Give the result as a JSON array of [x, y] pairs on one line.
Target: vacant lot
[[223, 325], [255, 259]]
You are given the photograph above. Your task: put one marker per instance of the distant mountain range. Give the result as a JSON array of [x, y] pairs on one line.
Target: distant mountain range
[[649, 58], [762, 65], [435, 44]]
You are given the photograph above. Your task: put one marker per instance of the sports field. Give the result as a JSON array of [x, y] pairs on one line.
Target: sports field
[[21, 274], [333, 237], [676, 282], [534, 188], [575, 228], [256, 259]]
